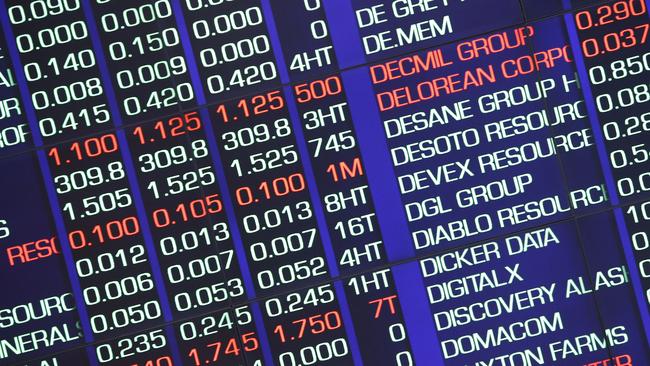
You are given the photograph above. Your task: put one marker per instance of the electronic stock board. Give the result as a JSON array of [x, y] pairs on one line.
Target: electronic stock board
[[324, 182]]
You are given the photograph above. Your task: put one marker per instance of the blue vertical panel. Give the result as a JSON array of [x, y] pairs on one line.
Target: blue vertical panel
[[343, 30], [417, 315], [391, 216], [275, 41], [379, 168], [259, 323]]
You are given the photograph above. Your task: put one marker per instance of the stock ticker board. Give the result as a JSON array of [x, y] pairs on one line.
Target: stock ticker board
[[324, 182]]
